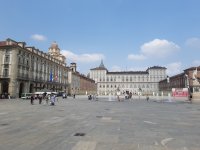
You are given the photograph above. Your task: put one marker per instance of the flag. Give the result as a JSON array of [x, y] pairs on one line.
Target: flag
[[56, 77], [51, 76]]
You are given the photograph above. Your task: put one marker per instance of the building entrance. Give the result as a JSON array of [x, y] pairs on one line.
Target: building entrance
[[31, 90], [21, 89], [4, 89]]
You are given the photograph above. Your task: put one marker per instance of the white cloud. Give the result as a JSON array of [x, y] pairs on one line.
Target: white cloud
[[193, 42], [174, 68], [84, 58], [136, 57], [156, 48], [159, 48], [38, 37]]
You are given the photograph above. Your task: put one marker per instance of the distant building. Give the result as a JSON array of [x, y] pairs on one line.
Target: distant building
[[187, 79], [127, 81], [79, 83]]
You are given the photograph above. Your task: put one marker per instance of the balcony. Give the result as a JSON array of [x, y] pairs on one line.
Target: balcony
[[22, 76], [5, 76]]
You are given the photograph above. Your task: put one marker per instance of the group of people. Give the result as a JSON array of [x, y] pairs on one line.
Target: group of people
[[48, 97], [5, 96], [127, 95], [92, 97]]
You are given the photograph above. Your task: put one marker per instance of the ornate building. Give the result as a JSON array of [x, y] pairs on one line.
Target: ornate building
[[27, 70], [54, 51], [127, 81]]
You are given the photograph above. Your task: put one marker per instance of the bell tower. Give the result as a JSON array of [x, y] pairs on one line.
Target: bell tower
[[54, 51]]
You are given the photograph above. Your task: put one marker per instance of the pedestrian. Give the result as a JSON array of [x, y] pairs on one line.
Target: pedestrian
[[190, 98], [74, 96], [32, 99], [48, 97], [40, 99], [90, 97], [118, 94], [53, 99], [147, 98]]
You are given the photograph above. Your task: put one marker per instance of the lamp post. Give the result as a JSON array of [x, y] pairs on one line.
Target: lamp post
[[187, 84], [168, 88]]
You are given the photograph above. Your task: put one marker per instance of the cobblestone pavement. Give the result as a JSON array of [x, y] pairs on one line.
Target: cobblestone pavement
[[80, 124]]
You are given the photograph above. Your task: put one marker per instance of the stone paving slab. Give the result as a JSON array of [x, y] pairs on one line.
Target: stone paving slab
[[105, 125]]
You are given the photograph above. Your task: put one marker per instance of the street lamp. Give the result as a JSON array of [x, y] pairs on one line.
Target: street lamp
[[168, 88], [187, 84]]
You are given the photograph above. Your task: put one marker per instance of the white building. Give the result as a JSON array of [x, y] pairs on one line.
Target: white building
[[145, 82]]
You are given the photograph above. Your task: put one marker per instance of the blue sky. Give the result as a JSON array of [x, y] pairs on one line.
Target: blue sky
[[126, 34]]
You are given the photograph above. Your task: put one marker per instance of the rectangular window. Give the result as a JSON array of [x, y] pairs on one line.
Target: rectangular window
[[5, 72], [7, 59]]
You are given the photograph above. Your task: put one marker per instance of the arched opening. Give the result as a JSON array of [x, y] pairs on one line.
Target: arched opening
[[31, 90], [53, 88], [21, 89], [4, 87]]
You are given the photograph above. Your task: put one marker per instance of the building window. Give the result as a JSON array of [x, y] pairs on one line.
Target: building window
[[7, 59], [5, 72]]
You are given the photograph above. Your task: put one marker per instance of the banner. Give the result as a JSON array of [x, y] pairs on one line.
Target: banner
[[180, 92], [51, 76]]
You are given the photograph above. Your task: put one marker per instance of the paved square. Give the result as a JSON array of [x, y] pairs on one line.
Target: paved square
[[80, 124]]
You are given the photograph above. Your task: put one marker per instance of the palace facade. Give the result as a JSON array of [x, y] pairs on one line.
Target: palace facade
[[127, 81], [27, 69]]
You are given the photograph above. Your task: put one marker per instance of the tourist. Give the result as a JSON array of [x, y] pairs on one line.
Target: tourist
[[40, 99], [53, 99], [32, 99], [118, 94]]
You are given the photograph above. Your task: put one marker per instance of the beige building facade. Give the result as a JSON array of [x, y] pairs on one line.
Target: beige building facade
[[26, 69]]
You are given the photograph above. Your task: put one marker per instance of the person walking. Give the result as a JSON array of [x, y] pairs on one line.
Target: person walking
[[147, 98], [40, 99], [48, 97], [53, 99], [118, 94], [32, 99], [74, 96]]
